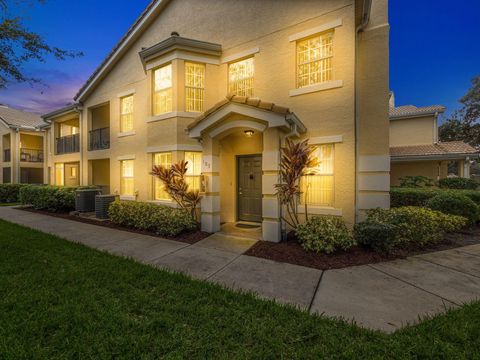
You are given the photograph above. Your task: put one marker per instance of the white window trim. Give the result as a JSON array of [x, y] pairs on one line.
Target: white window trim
[[320, 140], [240, 55], [126, 157], [126, 133], [177, 147], [320, 210], [318, 29], [126, 93], [317, 87], [128, 197], [172, 114]]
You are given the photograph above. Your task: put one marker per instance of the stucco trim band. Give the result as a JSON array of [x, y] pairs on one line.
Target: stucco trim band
[[317, 87], [318, 140], [240, 55], [316, 30]]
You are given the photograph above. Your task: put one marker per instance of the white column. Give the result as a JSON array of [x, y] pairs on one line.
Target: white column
[[466, 168], [210, 216]]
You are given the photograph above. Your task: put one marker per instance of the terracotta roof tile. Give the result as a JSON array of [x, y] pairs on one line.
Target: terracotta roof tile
[[443, 148], [245, 100], [410, 110], [19, 118]]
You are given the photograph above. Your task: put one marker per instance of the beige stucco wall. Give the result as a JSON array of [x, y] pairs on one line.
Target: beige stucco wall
[[412, 131], [432, 169], [240, 26]]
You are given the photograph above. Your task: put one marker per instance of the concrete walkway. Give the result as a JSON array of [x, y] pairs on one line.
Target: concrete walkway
[[383, 296]]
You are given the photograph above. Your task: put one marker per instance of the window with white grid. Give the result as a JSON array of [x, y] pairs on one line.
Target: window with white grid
[[126, 178], [194, 86], [314, 60], [194, 169], [161, 159], [240, 77], [162, 90], [317, 186], [126, 113]]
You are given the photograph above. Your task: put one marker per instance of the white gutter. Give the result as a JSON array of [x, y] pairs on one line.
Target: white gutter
[[367, 6]]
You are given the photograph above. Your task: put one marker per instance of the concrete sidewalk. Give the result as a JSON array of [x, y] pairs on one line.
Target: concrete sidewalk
[[383, 296]]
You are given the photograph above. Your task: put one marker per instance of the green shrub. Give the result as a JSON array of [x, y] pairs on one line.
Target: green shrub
[[324, 234], [417, 225], [49, 198], [420, 196], [458, 183], [455, 204], [415, 181], [378, 236], [9, 193], [163, 220]]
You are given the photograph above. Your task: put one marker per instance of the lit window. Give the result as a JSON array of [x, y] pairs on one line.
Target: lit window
[[240, 77], [126, 113], [165, 160], [126, 181], [317, 186], [59, 174], [73, 172], [194, 86], [162, 87], [194, 170], [314, 60]]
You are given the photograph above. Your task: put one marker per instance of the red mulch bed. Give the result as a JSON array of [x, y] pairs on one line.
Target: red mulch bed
[[189, 237], [292, 252]]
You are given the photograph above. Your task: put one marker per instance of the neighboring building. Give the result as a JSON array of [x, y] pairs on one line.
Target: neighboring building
[[415, 148], [303, 69], [22, 144]]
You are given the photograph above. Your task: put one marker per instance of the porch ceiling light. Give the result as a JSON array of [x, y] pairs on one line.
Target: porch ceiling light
[[249, 133]]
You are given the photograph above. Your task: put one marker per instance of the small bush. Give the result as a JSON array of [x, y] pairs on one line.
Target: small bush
[[163, 220], [455, 204], [420, 196], [458, 183], [325, 234], [415, 181], [49, 198], [417, 225], [378, 236], [9, 193]]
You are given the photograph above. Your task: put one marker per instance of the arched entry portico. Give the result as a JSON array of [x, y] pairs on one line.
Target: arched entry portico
[[221, 131]]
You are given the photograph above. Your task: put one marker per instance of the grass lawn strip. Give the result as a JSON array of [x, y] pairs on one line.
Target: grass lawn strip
[[64, 300]]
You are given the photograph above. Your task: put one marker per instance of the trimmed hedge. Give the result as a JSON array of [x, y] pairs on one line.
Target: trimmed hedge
[[49, 198], [415, 225], [163, 220], [455, 204], [10, 193], [458, 183], [325, 234], [419, 196], [378, 236]]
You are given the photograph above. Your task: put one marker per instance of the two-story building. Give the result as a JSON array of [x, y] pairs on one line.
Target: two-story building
[[23, 147], [222, 84], [416, 149]]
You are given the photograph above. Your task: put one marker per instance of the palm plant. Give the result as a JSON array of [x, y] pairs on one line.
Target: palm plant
[[296, 159], [175, 185]]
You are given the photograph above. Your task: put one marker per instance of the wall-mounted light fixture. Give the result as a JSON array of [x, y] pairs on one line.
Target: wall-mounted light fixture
[[249, 133]]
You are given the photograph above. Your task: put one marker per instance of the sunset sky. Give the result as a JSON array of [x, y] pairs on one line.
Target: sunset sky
[[434, 49]]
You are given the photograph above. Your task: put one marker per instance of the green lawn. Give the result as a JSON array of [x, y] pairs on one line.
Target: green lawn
[[63, 300]]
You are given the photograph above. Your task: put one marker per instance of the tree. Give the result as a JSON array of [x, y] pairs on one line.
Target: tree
[[18, 46], [464, 124]]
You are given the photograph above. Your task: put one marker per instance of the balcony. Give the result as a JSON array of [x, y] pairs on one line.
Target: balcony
[[7, 155], [67, 144], [31, 155], [99, 139]]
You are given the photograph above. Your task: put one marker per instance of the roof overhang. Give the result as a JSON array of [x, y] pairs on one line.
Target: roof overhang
[[74, 108], [437, 157], [287, 122], [174, 43]]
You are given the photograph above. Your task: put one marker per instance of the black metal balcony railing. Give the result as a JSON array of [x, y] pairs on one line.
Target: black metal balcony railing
[[67, 144], [99, 139], [31, 155], [6, 155]]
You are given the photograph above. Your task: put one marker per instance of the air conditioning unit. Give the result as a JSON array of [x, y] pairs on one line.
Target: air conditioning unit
[[85, 199], [102, 203]]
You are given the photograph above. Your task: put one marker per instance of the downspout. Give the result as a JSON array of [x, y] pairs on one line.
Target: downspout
[[367, 6], [435, 128], [80, 123]]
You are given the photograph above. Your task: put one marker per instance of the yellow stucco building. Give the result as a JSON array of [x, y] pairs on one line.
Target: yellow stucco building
[[222, 84]]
